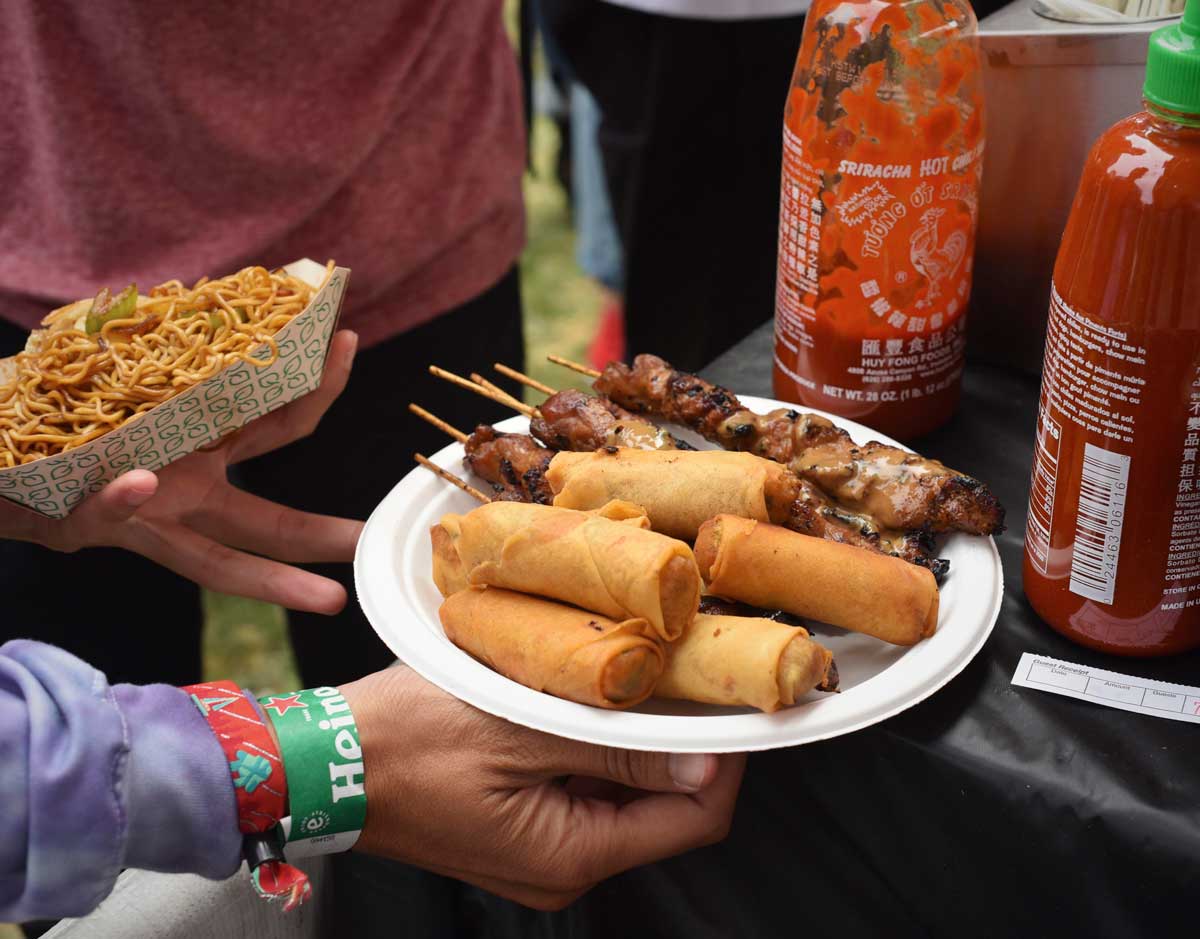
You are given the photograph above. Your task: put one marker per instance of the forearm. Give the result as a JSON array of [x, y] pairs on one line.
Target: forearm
[[98, 778]]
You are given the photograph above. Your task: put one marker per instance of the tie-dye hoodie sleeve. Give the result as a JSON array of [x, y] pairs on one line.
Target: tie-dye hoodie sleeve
[[95, 778]]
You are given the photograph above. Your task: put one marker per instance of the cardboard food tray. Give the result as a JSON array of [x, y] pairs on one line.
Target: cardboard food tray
[[194, 418]]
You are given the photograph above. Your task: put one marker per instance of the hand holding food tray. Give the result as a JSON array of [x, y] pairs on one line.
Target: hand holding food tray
[[777, 670], [138, 381]]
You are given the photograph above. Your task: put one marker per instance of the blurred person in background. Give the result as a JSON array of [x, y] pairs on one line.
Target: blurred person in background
[[563, 99], [598, 243], [690, 95]]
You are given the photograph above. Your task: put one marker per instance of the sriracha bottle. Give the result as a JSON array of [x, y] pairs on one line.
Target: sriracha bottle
[[1112, 544], [882, 152]]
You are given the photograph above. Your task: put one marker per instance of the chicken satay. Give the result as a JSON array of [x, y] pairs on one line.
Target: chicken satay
[[514, 465], [813, 512], [573, 420], [900, 490]]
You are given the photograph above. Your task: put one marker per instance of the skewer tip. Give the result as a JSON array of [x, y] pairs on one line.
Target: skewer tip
[[498, 394], [524, 379], [573, 366], [450, 477], [437, 422]]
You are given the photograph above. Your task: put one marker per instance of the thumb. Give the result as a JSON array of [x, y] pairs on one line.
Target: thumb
[[120, 499], [638, 769]]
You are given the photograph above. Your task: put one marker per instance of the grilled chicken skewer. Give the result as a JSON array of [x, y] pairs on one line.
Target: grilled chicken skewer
[[566, 422], [515, 466], [572, 420], [901, 490]]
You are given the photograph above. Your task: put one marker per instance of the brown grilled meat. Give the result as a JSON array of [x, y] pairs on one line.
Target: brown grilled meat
[[572, 420], [813, 512], [513, 464], [900, 490]]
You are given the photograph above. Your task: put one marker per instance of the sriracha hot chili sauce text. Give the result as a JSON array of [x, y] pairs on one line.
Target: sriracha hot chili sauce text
[[1112, 544], [882, 151]]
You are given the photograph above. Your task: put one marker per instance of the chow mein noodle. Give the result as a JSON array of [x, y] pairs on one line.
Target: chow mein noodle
[[98, 364]]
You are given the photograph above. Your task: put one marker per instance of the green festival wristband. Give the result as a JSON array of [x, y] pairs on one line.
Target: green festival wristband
[[323, 760]]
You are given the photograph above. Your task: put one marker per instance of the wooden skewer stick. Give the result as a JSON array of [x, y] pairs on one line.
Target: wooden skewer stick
[[499, 394], [453, 379], [573, 366], [451, 478], [438, 423], [523, 378]]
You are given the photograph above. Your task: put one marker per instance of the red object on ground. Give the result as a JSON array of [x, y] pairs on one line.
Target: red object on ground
[[608, 345]]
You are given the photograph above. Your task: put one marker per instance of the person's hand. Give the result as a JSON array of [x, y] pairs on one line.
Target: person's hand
[[470, 796], [189, 518]]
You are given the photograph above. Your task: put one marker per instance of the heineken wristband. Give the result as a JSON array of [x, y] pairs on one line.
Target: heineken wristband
[[326, 780]]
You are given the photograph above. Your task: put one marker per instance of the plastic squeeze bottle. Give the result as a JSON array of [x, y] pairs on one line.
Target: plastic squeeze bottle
[[882, 152], [1112, 545]]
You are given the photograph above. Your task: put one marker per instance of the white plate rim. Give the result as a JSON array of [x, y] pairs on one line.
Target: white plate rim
[[929, 665]]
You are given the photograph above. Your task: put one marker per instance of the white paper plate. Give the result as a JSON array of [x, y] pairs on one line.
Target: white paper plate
[[391, 569]]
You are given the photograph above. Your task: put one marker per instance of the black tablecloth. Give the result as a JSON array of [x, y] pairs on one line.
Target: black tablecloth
[[987, 810]]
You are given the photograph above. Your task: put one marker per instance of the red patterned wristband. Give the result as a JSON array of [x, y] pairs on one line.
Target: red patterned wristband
[[255, 765]]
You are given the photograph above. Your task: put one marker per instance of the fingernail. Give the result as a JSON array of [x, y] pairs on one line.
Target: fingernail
[[136, 496], [688, 770], [351, 347], [141, 488]]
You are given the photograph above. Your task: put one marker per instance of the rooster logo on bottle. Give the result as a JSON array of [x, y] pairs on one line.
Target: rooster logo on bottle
[[934, 261]]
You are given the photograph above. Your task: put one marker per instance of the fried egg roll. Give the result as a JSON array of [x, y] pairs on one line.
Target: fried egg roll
[[680, 489], [845, 586], [558, 649], [448, 573], [745, 661], [616, 568]]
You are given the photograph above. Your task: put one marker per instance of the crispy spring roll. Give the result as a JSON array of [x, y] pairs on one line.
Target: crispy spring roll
[[448, 573], [745, 661], [555, 648], [835, 583], [681, 489], [616, 568]]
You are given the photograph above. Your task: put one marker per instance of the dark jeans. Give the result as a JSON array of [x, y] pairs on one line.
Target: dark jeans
[[138, 622], [691, 135]]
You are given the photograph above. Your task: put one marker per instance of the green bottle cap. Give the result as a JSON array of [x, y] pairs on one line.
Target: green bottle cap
[[1173, 64]]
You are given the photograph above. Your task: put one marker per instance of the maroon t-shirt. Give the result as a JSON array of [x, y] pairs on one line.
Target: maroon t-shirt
[[142, 140]]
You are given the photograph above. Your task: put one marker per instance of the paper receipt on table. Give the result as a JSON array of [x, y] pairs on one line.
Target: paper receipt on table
[[1100, 686]]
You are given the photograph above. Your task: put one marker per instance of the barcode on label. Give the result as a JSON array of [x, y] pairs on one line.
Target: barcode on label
[[1098, 524]]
